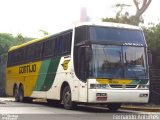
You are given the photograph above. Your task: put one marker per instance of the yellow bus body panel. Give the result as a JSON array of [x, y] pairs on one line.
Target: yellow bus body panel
[[28, 79]]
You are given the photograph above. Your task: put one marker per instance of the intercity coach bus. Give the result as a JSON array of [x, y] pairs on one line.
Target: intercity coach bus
[[91, 63]]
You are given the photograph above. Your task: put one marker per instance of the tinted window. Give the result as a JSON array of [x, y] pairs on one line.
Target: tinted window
[[10, 58], [63, 44], [16, 56], [81, 34], [20, 55], [37, 50], [49, 48], [59, 45], [67, 42], [30, 52], [54, 46], [134, 61], [116, 34], [107, 61]]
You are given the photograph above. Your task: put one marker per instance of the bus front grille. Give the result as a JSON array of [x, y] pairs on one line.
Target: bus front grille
[[123, 86]]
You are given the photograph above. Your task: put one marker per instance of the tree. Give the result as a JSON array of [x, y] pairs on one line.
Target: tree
[[152, 36], [142, 9], [6, 41], [141, 6], [21, 39], [44, 32]]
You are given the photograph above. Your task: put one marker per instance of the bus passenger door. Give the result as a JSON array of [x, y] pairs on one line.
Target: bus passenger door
[[82, 68]]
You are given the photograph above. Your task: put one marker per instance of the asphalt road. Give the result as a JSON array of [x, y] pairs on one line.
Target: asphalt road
[[10, 110]]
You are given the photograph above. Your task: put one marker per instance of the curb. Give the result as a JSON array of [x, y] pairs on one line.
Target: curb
[[140, 109], [2, 102], [6, 99]]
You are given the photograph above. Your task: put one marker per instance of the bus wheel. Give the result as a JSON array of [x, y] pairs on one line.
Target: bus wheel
[[16, 94], [66, 98], [114, 106], [21, 94]]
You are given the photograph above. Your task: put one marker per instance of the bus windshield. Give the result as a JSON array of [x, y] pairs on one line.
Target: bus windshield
[[134, 62], [110, 61], [116, 35]]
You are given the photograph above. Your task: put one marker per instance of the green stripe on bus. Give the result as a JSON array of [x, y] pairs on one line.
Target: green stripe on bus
[[42, 74], [139, 81], [135, 82], [143, 82], [52, 70]]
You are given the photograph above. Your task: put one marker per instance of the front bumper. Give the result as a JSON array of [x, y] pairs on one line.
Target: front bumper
[[119, 96]]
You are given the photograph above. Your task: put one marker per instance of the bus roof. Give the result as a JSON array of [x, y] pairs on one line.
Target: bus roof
[[103, 24], [27, 43], [109, 24]]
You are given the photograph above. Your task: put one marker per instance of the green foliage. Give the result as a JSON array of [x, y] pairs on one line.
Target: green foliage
[[126, 18], [120, 18], [44, 32], [152, 35], [6, 41]]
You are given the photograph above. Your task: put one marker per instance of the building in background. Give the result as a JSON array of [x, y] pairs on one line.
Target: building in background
[[83, 15]]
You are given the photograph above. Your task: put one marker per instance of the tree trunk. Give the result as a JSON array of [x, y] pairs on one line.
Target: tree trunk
[[142, 9]]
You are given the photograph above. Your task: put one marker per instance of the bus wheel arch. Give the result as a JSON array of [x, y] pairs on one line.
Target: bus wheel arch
[[66, 96], [64, 84]]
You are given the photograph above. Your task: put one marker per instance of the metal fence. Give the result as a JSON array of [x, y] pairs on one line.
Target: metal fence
[[154, 86]]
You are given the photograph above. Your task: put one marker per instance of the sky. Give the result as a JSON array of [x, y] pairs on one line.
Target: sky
[[29, 16]]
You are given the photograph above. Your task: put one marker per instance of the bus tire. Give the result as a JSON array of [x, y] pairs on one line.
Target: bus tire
[[114, 106], [21, 94], [67, 99], [16, 94]]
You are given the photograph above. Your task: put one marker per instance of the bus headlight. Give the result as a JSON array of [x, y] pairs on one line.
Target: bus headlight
[[99, 86], [143, 86]]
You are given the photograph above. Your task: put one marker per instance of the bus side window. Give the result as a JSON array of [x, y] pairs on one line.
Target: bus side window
[[59, 46], [29, 53], [13, 58], [10, 59], [81, 34], [67, 42], [37, 50], [49, 48], [20, 55]]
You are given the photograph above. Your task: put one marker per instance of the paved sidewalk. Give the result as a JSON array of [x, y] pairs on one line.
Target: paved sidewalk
[[3, 99], [142, 107], [136, 107]]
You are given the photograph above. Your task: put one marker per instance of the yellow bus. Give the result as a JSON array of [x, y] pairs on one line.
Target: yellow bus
[[94, 63]]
